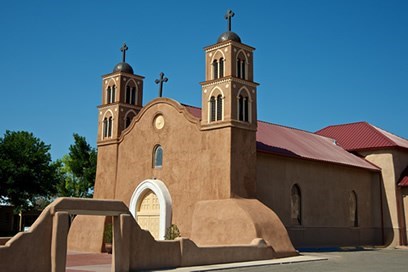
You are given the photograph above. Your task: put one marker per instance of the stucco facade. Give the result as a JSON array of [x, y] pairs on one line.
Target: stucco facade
[[392, 162]]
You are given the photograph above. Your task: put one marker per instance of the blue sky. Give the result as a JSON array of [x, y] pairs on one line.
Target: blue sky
[[318, 62]]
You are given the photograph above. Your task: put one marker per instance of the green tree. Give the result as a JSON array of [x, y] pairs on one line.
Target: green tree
[[77, 170], [26, 170]]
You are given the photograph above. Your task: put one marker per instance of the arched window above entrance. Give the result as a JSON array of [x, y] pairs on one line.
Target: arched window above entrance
[[158, 157]]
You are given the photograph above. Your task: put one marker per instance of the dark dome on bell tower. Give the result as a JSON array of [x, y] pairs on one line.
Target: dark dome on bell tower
[[229, 36], [123, 66]]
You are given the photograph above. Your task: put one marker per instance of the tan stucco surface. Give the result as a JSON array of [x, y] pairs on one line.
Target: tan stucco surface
[[392, 163], [239, 221]]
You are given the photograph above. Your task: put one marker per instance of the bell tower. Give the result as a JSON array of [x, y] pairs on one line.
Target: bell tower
[[229, 111], [122, 94], [229, 92]]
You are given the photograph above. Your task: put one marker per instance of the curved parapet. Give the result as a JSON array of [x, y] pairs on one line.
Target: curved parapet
[[239, 221]]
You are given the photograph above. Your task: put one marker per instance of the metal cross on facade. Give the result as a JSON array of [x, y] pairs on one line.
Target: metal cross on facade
[[124, 48], [228, 17], [161, 80]]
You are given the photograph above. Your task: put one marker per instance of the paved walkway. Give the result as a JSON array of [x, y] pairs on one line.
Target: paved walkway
[[368, 260], [81, 262]]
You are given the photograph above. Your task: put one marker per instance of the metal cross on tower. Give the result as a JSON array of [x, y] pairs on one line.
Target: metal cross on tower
[[228, 17], [124, 48], [161, 80]]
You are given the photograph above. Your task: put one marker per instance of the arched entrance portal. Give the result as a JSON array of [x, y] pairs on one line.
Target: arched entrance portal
[[151, 206]]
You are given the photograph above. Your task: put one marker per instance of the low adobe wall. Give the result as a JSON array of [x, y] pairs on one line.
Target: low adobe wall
[[239, 221], [44, 246]]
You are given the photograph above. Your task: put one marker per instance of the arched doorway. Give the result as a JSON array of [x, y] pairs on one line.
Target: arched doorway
[[151, 206], [148, 213]]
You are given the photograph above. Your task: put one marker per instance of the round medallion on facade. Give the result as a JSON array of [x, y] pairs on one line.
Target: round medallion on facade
[[159, 121]]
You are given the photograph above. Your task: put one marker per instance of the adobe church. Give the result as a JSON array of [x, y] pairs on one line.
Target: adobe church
[[224, 177]]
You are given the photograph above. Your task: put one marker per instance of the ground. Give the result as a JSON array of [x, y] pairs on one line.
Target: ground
[[372, 260]]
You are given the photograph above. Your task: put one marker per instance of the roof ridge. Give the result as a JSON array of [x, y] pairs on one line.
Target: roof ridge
[[380, 134], [341, 125], [393, 134], [279, 125]]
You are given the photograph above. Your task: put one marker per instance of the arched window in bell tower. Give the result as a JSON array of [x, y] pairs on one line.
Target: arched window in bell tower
[[133, 96], [241, 65], [129, 117], [215, 69], [243, 108], [128, 95], [108, 95], [219, 107], [212, 108], [244, 105], [113, 94], [221, 67], [238, 67], [105, 127], [110, 127]]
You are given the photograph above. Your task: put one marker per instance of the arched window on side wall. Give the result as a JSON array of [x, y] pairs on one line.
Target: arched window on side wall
[[212, 108], [296, 205], [353, 209], [158, 157], [219, 107]]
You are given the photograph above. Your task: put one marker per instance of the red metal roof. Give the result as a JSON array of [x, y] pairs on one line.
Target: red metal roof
[[403, 181], [362, 136], [291, 142]]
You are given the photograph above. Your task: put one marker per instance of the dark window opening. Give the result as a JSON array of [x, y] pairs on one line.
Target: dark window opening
[[221, 66], [212, 109], [128, 95], [133, 96], [296, 205], [215, 69], [219, 107]]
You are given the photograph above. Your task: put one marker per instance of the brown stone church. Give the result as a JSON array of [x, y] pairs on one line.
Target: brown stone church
[[224, 177]]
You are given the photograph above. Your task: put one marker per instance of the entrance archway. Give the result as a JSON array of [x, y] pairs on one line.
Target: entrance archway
[[151, 206]]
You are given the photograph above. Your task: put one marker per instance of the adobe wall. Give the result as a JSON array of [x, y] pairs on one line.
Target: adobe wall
[[195, 163], [325, 190], [392, 162]]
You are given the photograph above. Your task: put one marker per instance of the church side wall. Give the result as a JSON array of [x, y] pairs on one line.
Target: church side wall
[[195, 163], [325, 196]]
